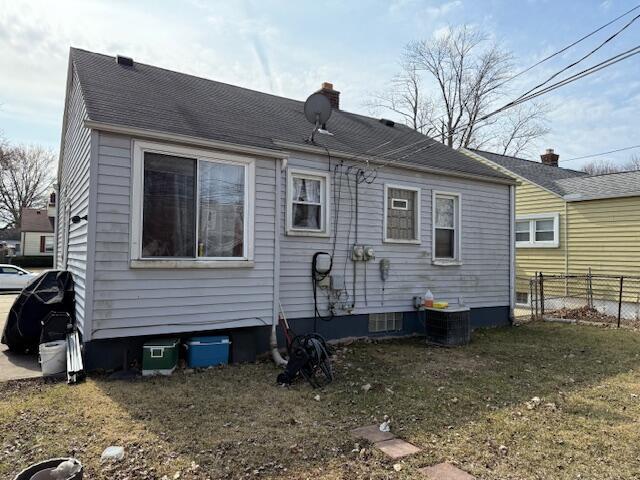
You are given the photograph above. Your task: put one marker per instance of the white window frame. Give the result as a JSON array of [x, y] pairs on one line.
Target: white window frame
[[457, 243], [417, 218], [403, 202], [533, 243], [325, 202], [137, 260]]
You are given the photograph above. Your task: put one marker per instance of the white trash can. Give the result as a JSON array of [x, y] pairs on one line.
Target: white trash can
[[53, 357]]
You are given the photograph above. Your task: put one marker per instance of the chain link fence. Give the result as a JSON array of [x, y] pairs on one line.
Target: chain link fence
[[612, 299]]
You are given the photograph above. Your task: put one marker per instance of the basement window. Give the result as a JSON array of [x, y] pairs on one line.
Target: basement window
[[191, 205], [307, 203], [522, 299], [402, 214], [538, 230], [385, 322]]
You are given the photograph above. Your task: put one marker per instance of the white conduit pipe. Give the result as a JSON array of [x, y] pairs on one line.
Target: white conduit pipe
[[277, 306], [275, 353]]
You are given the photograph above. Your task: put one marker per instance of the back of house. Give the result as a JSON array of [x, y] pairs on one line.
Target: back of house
[[199, 206]]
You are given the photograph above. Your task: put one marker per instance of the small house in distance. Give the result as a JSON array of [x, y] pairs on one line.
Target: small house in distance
[[36, 231], [203, 207]]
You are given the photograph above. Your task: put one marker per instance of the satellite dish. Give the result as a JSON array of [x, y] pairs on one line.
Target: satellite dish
[[317, 109]]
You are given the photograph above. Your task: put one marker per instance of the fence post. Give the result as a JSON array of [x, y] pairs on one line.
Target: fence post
[[541, 295], [620, 300], [590, 291], [535, 286], [532, 299]]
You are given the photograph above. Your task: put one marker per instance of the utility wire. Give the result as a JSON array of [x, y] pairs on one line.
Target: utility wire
[[602, 153], [564, 49], [584, 57]]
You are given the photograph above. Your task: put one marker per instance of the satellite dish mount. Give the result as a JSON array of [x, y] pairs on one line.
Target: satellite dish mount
[[317, 110]]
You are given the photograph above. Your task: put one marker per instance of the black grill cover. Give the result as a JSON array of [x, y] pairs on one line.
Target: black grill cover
[[51, 291]]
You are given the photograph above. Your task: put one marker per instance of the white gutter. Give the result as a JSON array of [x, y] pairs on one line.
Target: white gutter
[[379, 161], [185, 139], [273, 341]]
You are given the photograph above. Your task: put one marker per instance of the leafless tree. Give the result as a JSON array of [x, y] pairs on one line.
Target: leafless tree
[[404, 96], [454, 80], [26, 178], [601, 167]]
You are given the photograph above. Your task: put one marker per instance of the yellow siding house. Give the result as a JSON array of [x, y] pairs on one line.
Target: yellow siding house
[[568, 221]]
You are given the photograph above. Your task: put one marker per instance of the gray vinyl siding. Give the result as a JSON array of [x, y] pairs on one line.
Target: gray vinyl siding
[[136, 301], [74, 197], [481, 281]]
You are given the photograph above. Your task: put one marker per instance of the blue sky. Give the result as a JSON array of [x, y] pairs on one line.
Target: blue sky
[[289, 48]]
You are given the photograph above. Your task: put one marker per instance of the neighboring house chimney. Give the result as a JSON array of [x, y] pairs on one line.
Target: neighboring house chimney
[[333, 95], [550, 158]]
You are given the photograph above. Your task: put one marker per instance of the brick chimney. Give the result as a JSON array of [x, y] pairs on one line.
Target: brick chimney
[[333, 95], [550, 158]]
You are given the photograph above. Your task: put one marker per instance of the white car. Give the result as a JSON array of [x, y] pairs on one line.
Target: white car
[[14, 278]]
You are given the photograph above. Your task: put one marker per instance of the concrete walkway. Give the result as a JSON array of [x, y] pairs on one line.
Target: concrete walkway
[[12, 366]]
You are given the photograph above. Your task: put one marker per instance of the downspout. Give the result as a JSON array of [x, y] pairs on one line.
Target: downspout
[[273, 343], [512, 251]]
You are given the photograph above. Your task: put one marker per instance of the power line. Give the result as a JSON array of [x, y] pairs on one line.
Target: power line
[[549, 57], [584, 57], [584, 73], [602, 153], [564, 49]]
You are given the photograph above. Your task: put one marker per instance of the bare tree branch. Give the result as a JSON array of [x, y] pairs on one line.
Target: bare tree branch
[[601, 167], [454, 80], [26, 177]]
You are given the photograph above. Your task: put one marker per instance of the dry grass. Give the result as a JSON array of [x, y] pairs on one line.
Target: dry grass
[[458, 405]]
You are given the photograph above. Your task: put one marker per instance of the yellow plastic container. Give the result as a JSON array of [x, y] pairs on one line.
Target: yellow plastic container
[[440, 304]]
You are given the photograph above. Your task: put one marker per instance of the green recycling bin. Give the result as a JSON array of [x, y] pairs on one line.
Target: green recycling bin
[[160, 356]]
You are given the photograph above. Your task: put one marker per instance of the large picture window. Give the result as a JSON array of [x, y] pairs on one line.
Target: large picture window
[[538, 230], [193, 205], [307, 203], [446, 227], [401, 214]]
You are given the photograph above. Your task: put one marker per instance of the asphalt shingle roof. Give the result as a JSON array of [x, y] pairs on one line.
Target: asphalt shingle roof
[[36, 220], [537, 172], [574, 184], [157, 99], [602, 186]]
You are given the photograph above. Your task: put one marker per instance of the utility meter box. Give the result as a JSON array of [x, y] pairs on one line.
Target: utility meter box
[[160, 356]]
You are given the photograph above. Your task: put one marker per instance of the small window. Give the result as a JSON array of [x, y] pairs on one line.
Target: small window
[[446, 226], [544, 231], [48, 244], [522, 298], [308, 205], [385, 322], [402, 214], [539, 230], [399, 204], [522, 231]]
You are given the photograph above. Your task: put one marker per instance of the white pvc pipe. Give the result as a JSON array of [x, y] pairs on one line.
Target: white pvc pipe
[[277, 307]]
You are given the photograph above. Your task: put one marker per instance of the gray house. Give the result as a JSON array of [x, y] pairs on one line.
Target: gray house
[[206, 204]]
